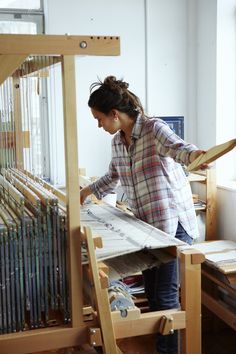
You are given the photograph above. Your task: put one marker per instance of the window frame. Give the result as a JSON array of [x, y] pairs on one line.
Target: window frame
[[25, 15], [15, 9]]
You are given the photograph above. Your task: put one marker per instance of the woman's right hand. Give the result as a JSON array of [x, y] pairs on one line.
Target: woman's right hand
[[84, 193], [195, 154]]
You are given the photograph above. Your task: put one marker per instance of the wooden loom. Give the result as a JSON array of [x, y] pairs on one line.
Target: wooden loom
[[106, 327]]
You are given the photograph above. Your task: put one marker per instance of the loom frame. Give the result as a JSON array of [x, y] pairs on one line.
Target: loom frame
[[13, 51]]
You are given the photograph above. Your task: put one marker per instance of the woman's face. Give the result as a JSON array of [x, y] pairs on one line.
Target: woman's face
[[109, 122]]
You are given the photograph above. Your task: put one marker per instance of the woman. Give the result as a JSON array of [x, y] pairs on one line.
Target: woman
[[146, 157]]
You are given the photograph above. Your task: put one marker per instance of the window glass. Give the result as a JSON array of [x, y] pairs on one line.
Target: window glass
[[20, 4], [18, 27]]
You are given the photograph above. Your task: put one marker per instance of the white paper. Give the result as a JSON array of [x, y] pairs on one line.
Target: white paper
[[218, 253], [223, 257], [215, 246]]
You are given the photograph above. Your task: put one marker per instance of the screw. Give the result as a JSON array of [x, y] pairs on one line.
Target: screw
[[83, 44]]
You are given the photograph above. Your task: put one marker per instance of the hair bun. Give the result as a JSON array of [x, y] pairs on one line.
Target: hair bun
[[114, 94], [114, 84]]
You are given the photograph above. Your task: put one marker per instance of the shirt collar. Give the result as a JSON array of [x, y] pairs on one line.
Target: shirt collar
[[137, 128]]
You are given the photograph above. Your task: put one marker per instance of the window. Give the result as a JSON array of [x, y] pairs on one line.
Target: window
[[21, 4], [22, 16], [27, 17]]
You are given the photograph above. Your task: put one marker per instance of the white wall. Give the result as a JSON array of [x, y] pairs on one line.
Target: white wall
[[191, 71], [206, 73], [181, 65], [193, 44], [179, 57], [226, 206], [226, 85], [92, 17], [226, 116], [166, 57], [154, 60]]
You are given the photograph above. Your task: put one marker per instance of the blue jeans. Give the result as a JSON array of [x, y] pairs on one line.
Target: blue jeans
[[161, 288]]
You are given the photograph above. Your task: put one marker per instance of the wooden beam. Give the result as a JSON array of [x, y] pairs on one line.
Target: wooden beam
[[8, 64], [102, 301], [191, 303], [18, 122], [131, 314], [211, 205], [37, 65], [44, 339], [147, 323], [72, 188], [217, 307], [58, 44], [231, 277], [211, 155], [58, 193], [197, 257], [207, 272]]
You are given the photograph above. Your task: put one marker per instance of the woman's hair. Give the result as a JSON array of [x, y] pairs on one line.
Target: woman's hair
[[114, 94]]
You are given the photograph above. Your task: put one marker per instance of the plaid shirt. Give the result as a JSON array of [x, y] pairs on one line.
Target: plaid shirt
[[152, 178]]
